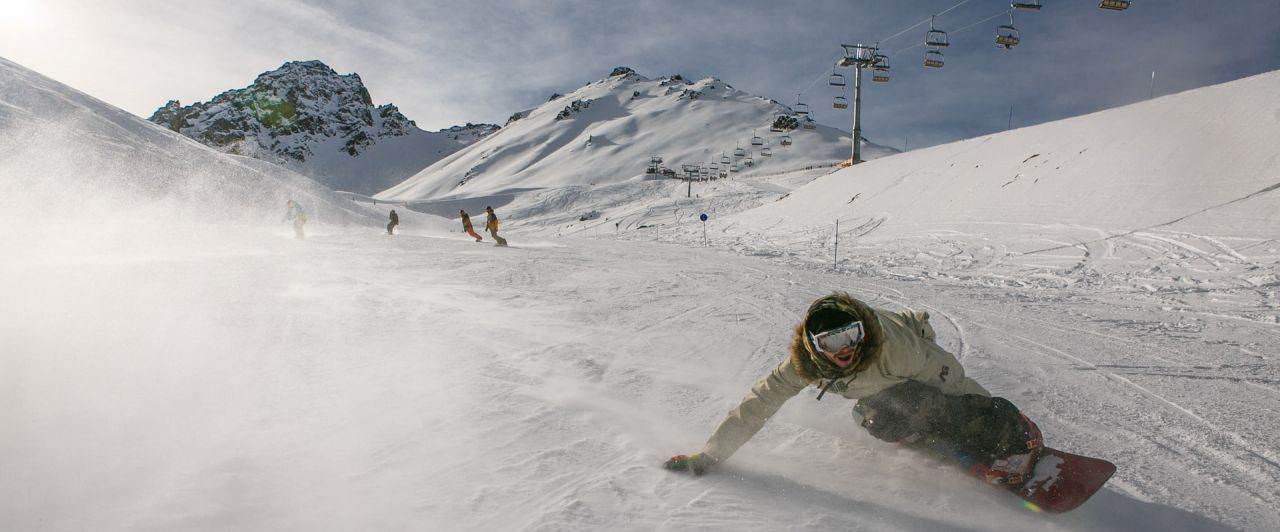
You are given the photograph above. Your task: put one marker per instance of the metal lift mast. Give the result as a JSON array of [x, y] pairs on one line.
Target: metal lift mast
[[858, 56]]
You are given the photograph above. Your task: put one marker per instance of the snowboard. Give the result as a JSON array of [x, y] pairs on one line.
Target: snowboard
[[1061, 481]]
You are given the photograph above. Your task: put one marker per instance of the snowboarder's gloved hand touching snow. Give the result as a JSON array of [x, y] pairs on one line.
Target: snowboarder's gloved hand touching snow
[[697, 463]]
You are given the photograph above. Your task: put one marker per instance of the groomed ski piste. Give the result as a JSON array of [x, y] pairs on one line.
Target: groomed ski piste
[[172, 358]]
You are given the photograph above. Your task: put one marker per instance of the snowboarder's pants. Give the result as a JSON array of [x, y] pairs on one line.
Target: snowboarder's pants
[[297, 228], [473, 234], [981, 427], [494, 233], [391, 226]]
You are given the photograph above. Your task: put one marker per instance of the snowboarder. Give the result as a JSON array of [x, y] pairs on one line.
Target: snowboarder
[[466, 225], [293, 211], [491, 225], [395, 220], [909, 390]]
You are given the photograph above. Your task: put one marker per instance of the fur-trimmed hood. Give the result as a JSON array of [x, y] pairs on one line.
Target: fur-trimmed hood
[[811, 365]]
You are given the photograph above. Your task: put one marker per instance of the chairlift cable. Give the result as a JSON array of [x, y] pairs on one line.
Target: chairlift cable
[[914, 26], [1002, 13]]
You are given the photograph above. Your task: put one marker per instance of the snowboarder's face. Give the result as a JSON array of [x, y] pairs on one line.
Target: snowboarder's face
[[840, 345]]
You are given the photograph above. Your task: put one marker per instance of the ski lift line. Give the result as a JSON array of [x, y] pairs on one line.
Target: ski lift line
[[914, 26], [1002, 13], [815, 81]]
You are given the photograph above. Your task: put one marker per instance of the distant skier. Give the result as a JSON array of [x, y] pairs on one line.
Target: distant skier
[[466, 225], [293, 211], [491, 225], [909, 390], [395, 220]]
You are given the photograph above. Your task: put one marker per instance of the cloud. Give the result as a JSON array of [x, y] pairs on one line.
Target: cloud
[[450, 62]]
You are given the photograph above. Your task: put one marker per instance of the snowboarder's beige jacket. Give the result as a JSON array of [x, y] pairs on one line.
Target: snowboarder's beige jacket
[[901, 347]]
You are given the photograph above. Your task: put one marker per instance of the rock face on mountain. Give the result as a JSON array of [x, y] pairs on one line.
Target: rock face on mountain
[[470, 133], [307, 117]]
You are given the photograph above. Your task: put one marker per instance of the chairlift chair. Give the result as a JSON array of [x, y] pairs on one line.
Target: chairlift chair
[[766, 152], [785, 141], [802, 108], [880, 76], [836, 80], [936, 37], [1007, 35], [756, 141], [933, 59], [724, 159], [748, 162], [739, 152], [840, 103], [1114, 5], [881, 63], [810, 124], [1026, 6]]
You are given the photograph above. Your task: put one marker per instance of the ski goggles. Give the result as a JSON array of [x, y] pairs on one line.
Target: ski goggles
[[836, 340]]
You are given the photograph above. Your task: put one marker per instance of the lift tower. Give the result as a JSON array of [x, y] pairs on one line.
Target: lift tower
[[858, 56]]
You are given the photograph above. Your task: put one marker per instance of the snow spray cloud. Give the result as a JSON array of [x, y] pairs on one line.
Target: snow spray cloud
[[72, 162]]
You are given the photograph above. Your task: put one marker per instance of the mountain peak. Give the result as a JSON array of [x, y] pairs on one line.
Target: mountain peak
[[303, 115]]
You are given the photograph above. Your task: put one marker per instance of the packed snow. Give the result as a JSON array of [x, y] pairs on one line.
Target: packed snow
[[210, 371]]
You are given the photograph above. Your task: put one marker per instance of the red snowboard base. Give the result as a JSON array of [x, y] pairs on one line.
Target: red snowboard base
[[1062, 481]]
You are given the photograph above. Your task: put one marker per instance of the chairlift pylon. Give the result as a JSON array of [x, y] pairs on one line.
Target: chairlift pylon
[[934, 59], [840, 102], [1007, 35], [1033, 5], [1114, 5], [936, 37]]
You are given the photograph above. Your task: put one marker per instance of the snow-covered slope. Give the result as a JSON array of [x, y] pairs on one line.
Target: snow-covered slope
[[307, 117], [606, 131], [1205, 159], [355, 381], [66, 157]]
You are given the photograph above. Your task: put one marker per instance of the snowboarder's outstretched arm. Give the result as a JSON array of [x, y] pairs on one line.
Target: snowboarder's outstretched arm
[[764, 399]]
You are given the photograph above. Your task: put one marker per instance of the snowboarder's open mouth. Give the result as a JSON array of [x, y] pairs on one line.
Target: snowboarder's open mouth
[[844, 358]]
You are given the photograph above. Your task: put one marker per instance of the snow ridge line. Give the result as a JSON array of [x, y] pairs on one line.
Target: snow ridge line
[[1170, 222]]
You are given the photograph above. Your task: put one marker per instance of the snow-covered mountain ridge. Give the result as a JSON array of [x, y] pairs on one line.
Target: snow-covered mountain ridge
[[307, 117], [606, 131]]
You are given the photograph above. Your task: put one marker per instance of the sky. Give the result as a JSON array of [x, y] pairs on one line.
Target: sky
[[445, 62]]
